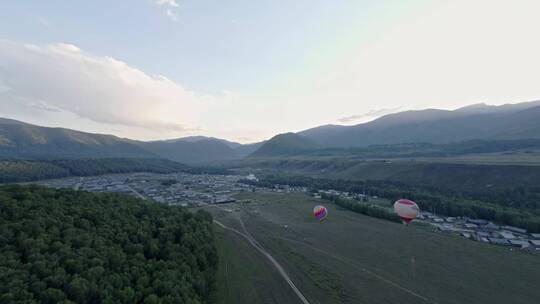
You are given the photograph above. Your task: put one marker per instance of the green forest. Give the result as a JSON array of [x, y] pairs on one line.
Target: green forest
[[64, 246], [514, 206]]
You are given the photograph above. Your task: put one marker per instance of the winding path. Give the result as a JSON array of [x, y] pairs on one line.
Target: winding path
[[265, 253], [355, 265]]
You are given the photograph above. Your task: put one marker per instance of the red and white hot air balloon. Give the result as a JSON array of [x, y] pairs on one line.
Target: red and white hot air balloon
[[320, 212], [407, 210]]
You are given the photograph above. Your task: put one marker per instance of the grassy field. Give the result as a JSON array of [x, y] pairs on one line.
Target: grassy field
[[245, 277], [351, 258]]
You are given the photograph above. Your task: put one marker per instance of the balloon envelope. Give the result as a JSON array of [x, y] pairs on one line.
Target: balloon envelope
[[406, 209], [320, 212]]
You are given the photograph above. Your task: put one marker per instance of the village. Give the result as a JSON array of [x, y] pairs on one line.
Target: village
[[190, 190], [186, 190]]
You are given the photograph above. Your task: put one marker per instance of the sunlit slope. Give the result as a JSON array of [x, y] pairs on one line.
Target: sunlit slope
[[351, 258]]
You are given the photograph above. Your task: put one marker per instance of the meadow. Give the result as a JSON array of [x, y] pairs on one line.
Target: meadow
[[351, 258]]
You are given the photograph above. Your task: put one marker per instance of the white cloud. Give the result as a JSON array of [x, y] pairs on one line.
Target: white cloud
[[171, 3], [172, 15], [61, 77], [45, 22], [368, 115], [171, 6]]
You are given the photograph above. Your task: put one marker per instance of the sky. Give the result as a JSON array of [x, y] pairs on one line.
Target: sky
[[246, 70]]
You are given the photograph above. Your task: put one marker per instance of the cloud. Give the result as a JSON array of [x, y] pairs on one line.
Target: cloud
[[62, 77], [45, 22], [39, 105], [4, 88], [172, 15], [171, 6], [370, 114], [171, 3]]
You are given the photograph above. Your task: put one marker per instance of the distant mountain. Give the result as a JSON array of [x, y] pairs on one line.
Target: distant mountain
[[230, 144], [20, 140], [516, 121], [247, 149], [485, 108], [192, 152], [200, 149], [285, 144]]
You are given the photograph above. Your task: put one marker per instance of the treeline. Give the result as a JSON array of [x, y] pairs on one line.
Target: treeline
[[370, 210], [431, 149], [429, 199], [207, 170], [63, 246], [13, 171]]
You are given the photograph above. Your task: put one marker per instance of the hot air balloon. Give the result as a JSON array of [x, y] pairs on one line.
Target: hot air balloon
[[407, 210], [320, 212]]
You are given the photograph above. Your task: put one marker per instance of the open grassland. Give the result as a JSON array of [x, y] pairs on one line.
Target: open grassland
[[351, 258], [245, 277]]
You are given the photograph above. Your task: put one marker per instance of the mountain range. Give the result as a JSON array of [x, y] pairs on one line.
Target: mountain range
[[285, 144], [479, 121], [19, 140]]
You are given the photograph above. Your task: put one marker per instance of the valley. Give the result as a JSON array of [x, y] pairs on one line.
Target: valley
[[352, 258]]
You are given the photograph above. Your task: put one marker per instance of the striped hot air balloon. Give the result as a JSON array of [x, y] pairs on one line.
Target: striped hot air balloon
[[407, 210], [320, 212]]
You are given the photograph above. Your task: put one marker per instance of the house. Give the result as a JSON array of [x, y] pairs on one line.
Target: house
[[483, 240], [252, 177], [445, 227], [536, 235], [470, 226], [490, 226], [535, 243], [223, 200], [506, 235], [514, 229], [483, 234], [520, 243], [497, 241], [477, 221]]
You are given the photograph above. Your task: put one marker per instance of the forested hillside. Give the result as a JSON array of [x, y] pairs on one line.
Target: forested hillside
[[285, 144], [193, 152], [63, 246]]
